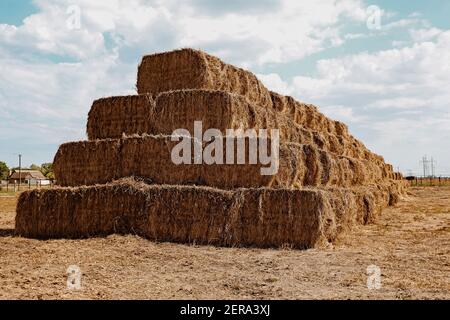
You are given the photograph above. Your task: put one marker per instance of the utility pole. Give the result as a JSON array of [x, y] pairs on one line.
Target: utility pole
[[20, 170], [433, 167], [425, 163]]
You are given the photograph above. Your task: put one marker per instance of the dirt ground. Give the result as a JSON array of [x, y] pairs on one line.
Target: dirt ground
[[409, 243]]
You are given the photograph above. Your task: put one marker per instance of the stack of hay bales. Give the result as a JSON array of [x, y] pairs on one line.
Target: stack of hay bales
[[122, 180]]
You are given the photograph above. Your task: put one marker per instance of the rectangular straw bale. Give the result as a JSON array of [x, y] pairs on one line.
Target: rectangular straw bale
[[187, 214], [306, 115], [222, 110], [260, 217], [193, 69], [298, 218], [88, 162], [216, 109], [80, 212], [310, 117], [149, 157], [111, 117]]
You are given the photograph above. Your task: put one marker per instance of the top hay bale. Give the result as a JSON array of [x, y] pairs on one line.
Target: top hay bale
[[193, 69]]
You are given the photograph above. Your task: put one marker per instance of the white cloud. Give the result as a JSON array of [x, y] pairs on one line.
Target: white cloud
[[401, 23], [419, 35], [47, 33], [275, 83], [399, 103], [48, 103], [291, 30], [342, 113], [399, 43], [352, 36], [415, 15]]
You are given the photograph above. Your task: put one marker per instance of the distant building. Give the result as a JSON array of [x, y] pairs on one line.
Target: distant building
[[33, 177]]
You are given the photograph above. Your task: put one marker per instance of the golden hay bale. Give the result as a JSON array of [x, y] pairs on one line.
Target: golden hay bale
[[222, 110], [150, 157], [187, 214], [309, 117], [113, 117], [193, 69], [75, 161], [306, 115]]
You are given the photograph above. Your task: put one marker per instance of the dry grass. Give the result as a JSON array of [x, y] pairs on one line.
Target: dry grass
[[8, 202], [7, 211], [408, 242], [9, 193]]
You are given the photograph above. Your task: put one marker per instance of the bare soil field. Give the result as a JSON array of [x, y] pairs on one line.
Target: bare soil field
[[410, 243]]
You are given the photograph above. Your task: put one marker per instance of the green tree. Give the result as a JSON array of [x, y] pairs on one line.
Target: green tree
[[4, 171], [47, 170], [35, 167]]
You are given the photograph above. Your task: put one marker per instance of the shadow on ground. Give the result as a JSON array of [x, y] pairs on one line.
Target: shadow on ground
[[7, 233]]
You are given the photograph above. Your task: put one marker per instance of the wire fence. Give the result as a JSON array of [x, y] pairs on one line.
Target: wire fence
[[7, 187], [429, 181]]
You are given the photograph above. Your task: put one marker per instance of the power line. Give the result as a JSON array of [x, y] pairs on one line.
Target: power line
[[425, 165], [20, 170], [433, 167], [428, 166]]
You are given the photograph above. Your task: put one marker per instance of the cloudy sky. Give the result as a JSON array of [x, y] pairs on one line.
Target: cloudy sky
[[389, 81]]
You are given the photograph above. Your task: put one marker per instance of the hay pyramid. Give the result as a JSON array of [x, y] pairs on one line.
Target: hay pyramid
[[122, 180]]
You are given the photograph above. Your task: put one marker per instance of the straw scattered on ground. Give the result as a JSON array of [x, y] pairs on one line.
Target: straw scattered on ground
[[409, 242]]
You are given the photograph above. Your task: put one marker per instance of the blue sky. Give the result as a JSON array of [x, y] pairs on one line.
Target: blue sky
[[389, 84], [13, 11]]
